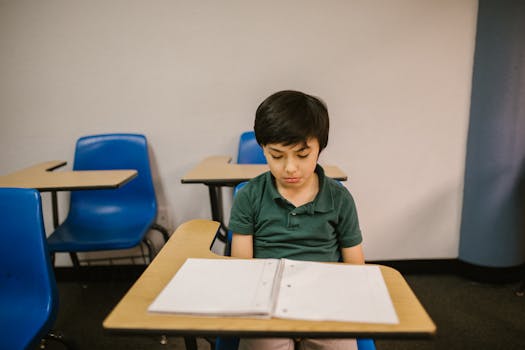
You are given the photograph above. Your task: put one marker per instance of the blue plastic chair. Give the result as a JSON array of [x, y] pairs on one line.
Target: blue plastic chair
[[249, 151], [110, 219], [232, 343], [28, 293]]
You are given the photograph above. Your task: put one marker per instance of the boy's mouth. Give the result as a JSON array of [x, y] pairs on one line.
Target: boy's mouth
[[291, 180]]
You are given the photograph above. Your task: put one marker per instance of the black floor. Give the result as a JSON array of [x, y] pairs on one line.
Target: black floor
[[468, 315]]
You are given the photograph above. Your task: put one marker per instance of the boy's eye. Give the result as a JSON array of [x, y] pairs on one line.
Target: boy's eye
[[276, 157], [303, 155]]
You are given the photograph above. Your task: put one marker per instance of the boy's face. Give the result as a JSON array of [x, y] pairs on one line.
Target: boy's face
[[293, 165]]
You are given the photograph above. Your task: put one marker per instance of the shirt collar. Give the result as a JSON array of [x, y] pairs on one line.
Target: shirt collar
[[323, 202]]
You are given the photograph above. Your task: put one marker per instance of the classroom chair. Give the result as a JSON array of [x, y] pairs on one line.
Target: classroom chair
[[28, 292], [232, 343], [110, 219], [249, 151]]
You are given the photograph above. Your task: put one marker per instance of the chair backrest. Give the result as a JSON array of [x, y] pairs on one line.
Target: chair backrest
[[249, 151], [111, 152], [28, 293], [238, 187]]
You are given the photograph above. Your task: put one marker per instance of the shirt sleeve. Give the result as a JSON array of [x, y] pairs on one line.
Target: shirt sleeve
[[349, 232], [241, 215]]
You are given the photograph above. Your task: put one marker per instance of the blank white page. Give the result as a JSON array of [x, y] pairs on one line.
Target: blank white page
[[220, 287], [334, 292]]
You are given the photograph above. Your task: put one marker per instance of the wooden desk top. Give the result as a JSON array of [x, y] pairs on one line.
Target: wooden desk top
[[192, 239], [218, 170], [42, 178]]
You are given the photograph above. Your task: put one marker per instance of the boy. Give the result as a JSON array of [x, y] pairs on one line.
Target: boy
[[294, 211]]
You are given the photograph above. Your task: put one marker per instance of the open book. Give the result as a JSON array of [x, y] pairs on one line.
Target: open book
[[278, 288]]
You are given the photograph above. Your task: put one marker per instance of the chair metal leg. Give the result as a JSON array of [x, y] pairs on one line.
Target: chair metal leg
[[74, 259], [162, 230], [190, 343], [151, 250], [211, 341], [521, 289], [57, 337]]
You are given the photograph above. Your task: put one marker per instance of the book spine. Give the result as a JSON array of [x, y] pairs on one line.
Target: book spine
[[276, 285]]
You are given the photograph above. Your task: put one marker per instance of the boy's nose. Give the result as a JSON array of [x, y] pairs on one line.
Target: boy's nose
[[290, 166]]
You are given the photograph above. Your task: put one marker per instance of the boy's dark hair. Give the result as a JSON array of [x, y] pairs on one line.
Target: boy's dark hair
[[291, 117]]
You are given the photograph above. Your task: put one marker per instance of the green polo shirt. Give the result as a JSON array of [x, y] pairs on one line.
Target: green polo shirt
[[314, 231]]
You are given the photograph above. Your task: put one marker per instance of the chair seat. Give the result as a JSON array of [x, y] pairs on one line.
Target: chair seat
[[70, 236], [101, 226]]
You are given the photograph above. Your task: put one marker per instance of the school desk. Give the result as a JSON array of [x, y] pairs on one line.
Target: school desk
[[192, 240], [42, 177], [216, 172]]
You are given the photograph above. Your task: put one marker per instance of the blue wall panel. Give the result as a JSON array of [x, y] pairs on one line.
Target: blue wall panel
[[492, 228]]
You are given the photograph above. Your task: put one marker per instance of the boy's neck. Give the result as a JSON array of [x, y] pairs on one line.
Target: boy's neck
[[302, 195]]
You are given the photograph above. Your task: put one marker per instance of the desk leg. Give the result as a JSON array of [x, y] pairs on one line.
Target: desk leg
[[54, 204], [190, 343], [217, 210]]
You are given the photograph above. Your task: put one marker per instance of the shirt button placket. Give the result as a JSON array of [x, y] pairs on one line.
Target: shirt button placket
[[292, 219]]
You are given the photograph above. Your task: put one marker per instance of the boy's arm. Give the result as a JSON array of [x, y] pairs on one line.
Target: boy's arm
[[242, 246], [353, 255]]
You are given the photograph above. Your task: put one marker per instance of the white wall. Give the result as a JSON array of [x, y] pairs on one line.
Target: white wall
[[396, 76]]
